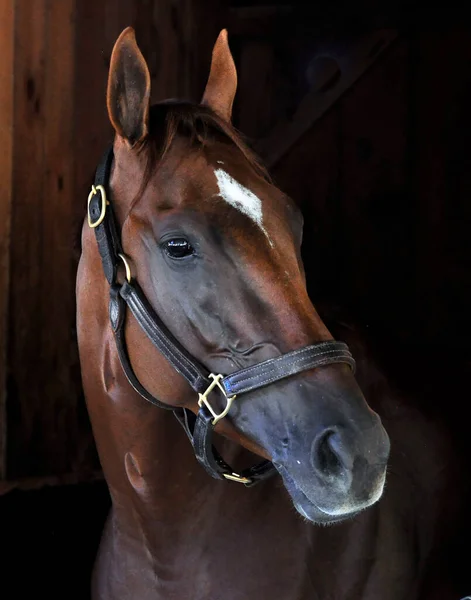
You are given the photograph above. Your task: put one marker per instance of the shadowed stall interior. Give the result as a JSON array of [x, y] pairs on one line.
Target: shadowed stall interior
[[364, 122]]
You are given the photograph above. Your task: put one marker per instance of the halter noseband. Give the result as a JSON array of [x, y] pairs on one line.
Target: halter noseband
[[199, 428]]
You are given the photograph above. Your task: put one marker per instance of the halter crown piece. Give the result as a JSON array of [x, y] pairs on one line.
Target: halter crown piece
[[199, 428]]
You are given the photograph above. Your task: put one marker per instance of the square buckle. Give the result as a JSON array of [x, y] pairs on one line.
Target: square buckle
[[95, 190], [203, 398]]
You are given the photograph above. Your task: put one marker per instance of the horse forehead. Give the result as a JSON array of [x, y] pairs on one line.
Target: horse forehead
[[241, 198]]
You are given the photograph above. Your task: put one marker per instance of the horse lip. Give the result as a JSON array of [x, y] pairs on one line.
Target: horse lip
[[322, 517]]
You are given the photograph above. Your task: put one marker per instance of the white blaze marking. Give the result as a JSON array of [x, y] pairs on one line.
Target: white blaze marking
[[241, 198]]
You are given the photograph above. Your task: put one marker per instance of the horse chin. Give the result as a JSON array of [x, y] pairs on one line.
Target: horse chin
[[315, 515], [310, 511]]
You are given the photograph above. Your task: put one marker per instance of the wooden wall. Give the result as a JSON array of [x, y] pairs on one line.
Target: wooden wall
[[6, 112], [54, 56], [383, 178]]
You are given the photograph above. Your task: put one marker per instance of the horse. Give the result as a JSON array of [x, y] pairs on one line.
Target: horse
[[197, 341]]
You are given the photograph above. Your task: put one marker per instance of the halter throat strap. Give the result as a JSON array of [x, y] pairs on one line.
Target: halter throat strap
[[129, 295]]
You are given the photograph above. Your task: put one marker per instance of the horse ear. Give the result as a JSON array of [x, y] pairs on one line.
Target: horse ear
[[222, 83], [128, 91]]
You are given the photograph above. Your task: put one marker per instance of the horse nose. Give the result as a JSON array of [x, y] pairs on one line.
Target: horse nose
[[344, 456], [333, 456]]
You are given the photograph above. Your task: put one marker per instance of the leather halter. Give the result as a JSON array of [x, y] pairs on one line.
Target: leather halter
[[199, 428]]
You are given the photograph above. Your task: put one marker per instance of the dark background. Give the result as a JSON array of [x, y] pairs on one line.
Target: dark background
[[382, 174]]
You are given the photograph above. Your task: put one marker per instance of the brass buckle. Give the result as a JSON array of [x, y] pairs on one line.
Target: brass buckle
[[104, 202], [203, 398], [236, 477]]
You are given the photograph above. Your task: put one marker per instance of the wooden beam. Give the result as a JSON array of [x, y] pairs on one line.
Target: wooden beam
[[24, 357], [355, 60], [6, 144], [44, 431]]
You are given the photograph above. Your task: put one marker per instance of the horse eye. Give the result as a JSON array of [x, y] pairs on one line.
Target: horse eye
[[178, 248]]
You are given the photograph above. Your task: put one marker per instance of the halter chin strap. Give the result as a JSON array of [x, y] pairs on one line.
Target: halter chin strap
[[199, 428]]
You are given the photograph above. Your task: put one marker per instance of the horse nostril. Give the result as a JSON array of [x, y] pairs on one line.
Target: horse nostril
[[329, 455]]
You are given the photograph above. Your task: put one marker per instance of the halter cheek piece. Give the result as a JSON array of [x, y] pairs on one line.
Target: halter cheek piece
[[199, 429]]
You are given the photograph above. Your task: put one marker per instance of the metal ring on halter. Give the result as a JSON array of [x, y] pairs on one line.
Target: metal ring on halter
[[99, 189], [126, 267]]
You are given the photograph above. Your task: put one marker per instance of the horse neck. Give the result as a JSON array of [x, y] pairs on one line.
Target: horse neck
[[147, 459]]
